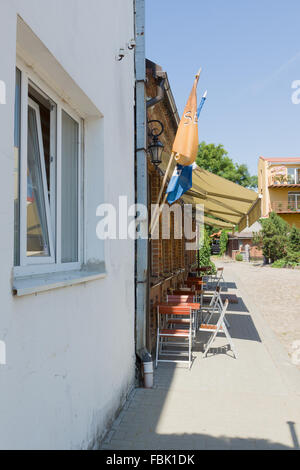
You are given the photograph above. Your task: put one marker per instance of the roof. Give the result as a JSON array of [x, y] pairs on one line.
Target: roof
[[248, 231], [281, 159], [247, 235], [256, 227]]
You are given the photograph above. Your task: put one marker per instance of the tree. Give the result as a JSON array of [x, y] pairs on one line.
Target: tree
[[214, 158], [273, 238], [223, 242], [294, 239], [204, 252]]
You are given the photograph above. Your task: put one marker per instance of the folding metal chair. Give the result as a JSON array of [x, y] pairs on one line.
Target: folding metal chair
[[165, 334], [212, 285], [219, 275], [205, 272], [215, 306], [220, 327], [182, 299]]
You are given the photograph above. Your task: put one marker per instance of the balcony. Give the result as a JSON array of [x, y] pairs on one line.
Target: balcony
[[274, 182], [284, 180], [285, 207]]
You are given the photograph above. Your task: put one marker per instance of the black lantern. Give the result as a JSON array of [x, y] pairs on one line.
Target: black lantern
[[155, 148]]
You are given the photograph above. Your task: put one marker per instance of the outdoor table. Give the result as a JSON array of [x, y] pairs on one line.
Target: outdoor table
[[196, 275], [204, 268], [195, 279], [194, 282], [183, 309], [193, 305], [186, 292]]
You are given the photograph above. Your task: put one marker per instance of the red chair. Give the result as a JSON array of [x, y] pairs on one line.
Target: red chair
[[167, 335], [185, 299]]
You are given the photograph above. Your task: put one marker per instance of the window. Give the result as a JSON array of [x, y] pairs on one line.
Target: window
[[294, 201], [16, 168], [294, 175], [47, 180]]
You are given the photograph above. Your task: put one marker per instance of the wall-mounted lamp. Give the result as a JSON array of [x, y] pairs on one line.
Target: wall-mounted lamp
[[155, 148]]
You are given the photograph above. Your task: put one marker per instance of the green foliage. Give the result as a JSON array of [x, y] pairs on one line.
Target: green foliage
[[280, 263], [279, 242], [238, 257], [214, 158], [294, 239], [292, 257], [204, 253], [275, 247], [223, 242], [273, 238], [291, 260], [210, 230]]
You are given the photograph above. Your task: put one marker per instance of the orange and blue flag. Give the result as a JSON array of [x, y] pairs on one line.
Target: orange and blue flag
[[185, 145], [181, 180]]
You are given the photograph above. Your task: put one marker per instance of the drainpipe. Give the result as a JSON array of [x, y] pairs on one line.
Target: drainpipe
[[141, 261], [160, 94], [142, 278]]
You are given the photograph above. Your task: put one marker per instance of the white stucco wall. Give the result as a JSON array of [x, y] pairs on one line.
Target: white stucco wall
[[70, 351]]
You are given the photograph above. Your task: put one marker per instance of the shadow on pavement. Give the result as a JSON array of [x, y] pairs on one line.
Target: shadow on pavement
[[140, 424]]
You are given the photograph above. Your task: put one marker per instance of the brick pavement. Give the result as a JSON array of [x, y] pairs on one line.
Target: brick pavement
[[252, 402]]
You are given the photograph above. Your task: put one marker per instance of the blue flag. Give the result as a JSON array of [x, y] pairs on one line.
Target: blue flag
[[180, 182], [201, 104]]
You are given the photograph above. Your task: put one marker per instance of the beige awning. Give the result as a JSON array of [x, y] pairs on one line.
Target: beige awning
[[253, 215], [217, 223], [227, 201], [223, 199]]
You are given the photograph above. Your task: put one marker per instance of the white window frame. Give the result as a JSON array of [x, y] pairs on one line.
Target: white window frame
[[296, 198], [23, 195], [296, 171], [43, 265]]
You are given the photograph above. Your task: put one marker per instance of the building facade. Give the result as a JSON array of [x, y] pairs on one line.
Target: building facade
[[169, 259], [66, 147], [279, 187], [242, 243]]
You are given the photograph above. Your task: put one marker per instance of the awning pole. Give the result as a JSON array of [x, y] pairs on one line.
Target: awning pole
[[159, 211], [161, 190]]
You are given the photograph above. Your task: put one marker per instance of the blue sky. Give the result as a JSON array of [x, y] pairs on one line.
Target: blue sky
[[250, 55]]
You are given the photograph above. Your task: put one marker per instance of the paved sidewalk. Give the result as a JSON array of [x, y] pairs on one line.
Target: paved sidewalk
[[277, 295], [252, 402]]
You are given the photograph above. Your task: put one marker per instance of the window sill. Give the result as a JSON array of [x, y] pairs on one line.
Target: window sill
[[43, 282]]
